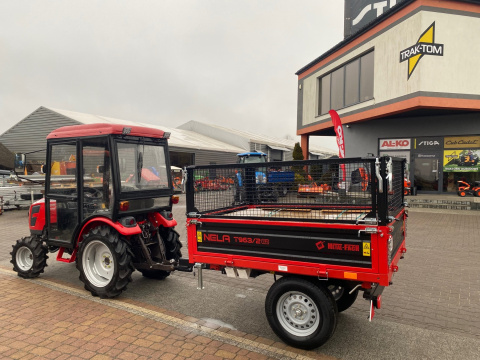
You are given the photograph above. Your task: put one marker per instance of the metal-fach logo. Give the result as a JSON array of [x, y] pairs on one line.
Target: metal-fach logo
[[425, 46]]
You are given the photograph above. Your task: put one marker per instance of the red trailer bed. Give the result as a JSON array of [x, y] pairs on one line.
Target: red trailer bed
[[326, 248]]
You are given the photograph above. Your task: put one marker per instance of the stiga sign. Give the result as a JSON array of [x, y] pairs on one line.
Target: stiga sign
[[394, 144], [428, 143]]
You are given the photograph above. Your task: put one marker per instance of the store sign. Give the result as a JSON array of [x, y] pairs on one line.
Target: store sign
[[359, 13], [394, 144], [425, 46], [466, 160], [428, 143], [462, 142]]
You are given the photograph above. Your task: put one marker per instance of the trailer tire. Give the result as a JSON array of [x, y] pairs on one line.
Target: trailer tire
[[313, 307], [104, 262], [342, 296], [29, 257]]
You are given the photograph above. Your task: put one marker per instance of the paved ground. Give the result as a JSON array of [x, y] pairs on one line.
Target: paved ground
[[432, 310]]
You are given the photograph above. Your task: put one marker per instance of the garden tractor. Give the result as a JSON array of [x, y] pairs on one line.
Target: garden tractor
[[109, 210]]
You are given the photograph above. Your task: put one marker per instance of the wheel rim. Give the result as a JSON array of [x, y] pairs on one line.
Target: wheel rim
[[24, 258], [298, 314], [98, 263], [337, 291]]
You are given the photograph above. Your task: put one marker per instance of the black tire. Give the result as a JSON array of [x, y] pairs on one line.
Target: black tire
[[105, 278], [29, 257], [342, 296], [313, 305], [155, 274], [171, 239]]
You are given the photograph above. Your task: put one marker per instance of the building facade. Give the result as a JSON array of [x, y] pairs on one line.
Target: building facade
[[406, 84]]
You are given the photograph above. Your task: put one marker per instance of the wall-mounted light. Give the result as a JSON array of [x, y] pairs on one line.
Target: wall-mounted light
[[300, 87], [348, 126]]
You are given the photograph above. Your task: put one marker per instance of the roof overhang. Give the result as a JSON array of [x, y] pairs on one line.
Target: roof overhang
[[278, 148]]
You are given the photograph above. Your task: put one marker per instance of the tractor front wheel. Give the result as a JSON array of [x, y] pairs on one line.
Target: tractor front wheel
[[104, 262], [29, 257]]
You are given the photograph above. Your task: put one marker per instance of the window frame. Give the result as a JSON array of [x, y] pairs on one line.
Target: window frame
[[343, 67]]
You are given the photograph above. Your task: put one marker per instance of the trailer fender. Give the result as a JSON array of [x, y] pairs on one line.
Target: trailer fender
[[98, 221], [158, 219]]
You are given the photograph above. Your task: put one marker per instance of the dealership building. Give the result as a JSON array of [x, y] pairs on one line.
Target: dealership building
[[406, 82]]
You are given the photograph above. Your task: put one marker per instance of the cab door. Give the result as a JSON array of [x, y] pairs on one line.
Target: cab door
[[61, 192]]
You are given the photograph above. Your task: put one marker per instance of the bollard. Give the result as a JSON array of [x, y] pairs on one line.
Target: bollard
[[199, 267]]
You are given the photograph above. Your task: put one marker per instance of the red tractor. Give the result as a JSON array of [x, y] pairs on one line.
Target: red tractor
[[109, 210]]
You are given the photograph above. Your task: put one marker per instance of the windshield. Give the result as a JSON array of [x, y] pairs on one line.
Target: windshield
[[142, 167], [252, 159]]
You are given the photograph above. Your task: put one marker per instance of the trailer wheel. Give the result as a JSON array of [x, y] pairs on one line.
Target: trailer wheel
[[301, 313], [477, 193], [342, 296], [104, 262], [29, 257]]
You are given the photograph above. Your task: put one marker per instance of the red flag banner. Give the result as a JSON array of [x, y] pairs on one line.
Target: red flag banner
[[337, 126]]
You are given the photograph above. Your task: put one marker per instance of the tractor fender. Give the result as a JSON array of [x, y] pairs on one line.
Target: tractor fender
[[98, 221], [157, 219]]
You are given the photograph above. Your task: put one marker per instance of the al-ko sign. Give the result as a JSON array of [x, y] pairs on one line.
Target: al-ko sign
[[425, 46], [394, 144]]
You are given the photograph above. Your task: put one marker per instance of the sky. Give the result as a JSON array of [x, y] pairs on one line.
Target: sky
[[164, 62]]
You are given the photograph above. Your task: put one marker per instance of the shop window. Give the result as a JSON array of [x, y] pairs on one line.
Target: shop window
[[337, 89], [366, 77], [324, 95], [352, 81], [348, 85]]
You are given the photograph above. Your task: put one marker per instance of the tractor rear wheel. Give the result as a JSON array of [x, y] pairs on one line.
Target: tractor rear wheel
[[104, 262], [29, 257], [171, 239], [462, 193]]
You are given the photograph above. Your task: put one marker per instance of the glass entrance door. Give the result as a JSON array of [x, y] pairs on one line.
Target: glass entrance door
[[427, 175]]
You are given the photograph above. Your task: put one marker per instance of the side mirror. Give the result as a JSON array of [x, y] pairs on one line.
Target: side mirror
[[101, 169], [43, 169], [20, 162]]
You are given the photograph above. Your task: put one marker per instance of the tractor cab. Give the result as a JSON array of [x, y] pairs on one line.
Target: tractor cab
[[107, 171], [251, 158], [107, 206]]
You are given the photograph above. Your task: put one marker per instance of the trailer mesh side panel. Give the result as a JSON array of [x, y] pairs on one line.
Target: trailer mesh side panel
[[326, 190], [395, 194]]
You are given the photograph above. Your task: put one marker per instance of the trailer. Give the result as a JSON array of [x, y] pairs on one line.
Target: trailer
[[323, 249]]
